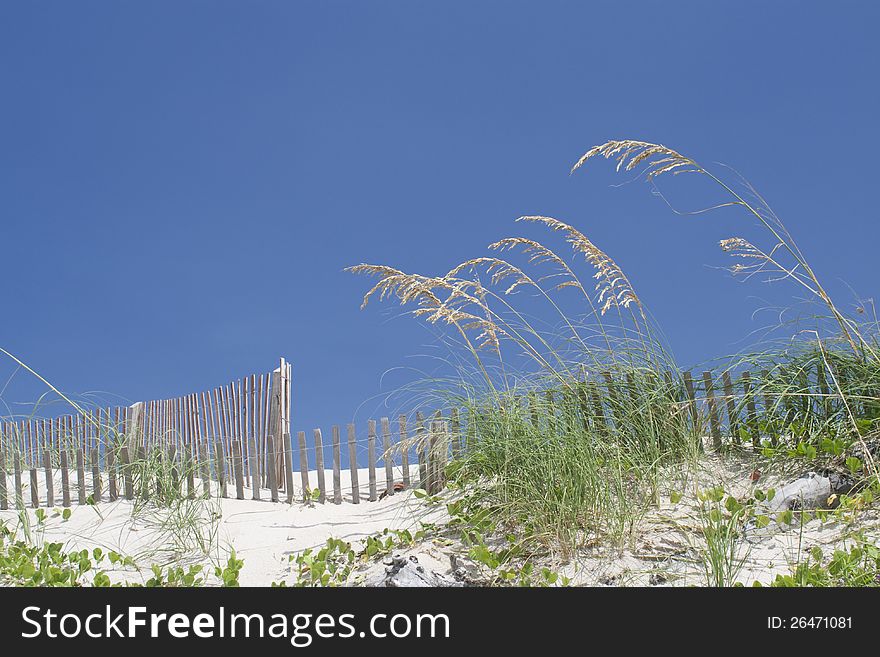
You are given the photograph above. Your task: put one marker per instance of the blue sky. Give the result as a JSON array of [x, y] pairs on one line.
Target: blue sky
[[182, 183]]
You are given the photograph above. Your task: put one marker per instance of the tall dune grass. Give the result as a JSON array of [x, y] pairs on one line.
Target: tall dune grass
[[569, 446], [554, 461]]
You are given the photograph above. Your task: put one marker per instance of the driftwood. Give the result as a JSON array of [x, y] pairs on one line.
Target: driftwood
[[406, 572]]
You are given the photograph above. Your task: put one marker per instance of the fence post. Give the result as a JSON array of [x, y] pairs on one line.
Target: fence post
[[421, 451], [110, 462], [692, 401], [371, 457], [274, 425], [713, 410], [752, 420], [238, 469], [404, 450], [126, 472], [271, 469], [135, 425], [319, 465], [732, 418], [50, 483], [303, 466], [35, 492], [80, 475], [253, 457], [387, 458], [204, 471], [337, 483], [353, 466], [16, 470]]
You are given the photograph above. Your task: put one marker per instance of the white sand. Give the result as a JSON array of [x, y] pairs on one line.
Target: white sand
[[262, 533], [664, 552]]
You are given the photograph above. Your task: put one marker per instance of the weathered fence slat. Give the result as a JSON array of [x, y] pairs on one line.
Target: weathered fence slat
[[35, 491], [271, 470], [65, 477], [421, 451], [304, 466], [714, 423], [692, 400], [455, 425], [80, 476], [441, 455], [387, 457], [371, 458], [337, 483], [431, 457], [253, 463], [174, 461], [128, 484], [730, 404], [238, 468], [220, 467], [288, 466], [190, 454], [144, 458], [270, 432], [50, 482], [204, 471], [319, 465], [96, 475], [110, 461], [404, 450], [353, 466], [16, 472]]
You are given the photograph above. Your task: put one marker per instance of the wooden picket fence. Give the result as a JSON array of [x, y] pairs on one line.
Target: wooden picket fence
[[239, 434], [426, 447], [726, 409]]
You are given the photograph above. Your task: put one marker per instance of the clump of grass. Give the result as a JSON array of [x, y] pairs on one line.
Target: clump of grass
[[567, 447], [847, 373], [566, 469], [723, 551], [572, 467]]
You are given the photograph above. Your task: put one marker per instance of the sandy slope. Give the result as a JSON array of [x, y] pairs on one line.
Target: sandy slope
[[261, 532], [664, 549]]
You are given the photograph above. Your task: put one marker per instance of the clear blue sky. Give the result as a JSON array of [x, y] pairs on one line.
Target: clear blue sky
[[182, 183]]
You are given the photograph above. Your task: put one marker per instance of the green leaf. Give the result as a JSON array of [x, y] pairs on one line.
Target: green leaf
[[732, 504], [854, 464]]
